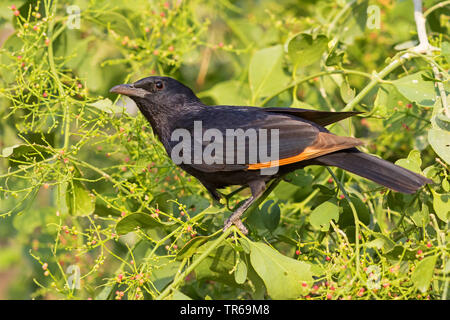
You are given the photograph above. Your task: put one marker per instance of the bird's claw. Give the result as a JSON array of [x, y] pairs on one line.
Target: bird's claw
[[238, 223]]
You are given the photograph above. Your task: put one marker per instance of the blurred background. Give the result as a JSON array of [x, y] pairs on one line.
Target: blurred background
[[73, 162]]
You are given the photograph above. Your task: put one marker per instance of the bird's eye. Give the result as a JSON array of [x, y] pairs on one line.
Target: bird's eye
[[159, 85]]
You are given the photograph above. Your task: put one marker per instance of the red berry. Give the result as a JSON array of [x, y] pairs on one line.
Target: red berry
[[45, 95], [429, 245], [361, 292], [16, 13], [13, 7], [327, 258], [364, 122], [297, 252], [304, 284]]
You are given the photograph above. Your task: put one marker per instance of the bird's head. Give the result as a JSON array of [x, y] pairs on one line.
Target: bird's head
[[156, 92]]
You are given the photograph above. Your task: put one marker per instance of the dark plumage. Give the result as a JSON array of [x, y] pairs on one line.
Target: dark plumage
[[169, 105]]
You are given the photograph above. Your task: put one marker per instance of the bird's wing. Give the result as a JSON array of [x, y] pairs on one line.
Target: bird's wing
[[322, 118], [287, 140]]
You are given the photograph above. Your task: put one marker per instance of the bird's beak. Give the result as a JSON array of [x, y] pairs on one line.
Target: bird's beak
[[129, 90]]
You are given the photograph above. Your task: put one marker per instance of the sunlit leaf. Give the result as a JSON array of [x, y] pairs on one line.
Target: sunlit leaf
[[423, 273], [304, 49], [138, 220], [266, 75], [416, 89], [321, 216], [282, 276], [80, 201]]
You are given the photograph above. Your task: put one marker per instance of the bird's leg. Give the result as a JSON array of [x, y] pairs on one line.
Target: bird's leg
[[257, 188], [231, 194]]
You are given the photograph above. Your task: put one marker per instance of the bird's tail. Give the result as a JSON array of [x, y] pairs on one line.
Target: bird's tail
[[375, 169]]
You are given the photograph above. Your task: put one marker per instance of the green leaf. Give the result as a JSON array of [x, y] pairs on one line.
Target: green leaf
[[240, 274], [107, 106], [442, 121], [421, 217], [270, 215], [20, 150], [423, 273], [163, 202], [80, 201], [299, 178], [354, 24], [347, 218], [138, 220], [321, 216], [381, 242], [413, 162], [386, 101], [178, 295], [446, 50], [163, 271], [266, 74], [194, 204], [231, 92], [399, 252], [440, 141], [441, 205], [218, 266], [191, 247], [416, 89], [445, 185], [282, 276], [27, 221], [347, 93], [284, 191], [304, 49], [335, 58]]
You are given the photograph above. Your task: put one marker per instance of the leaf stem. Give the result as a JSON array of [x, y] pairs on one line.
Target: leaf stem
[[54, 72], [316, 75], [376, 78]]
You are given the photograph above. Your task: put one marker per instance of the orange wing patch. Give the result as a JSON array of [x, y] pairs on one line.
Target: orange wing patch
[[324, 144]]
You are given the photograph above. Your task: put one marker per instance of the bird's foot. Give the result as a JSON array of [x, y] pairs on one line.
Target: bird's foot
[[237, 222]]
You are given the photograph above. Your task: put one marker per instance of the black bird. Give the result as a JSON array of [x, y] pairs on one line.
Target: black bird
[[302, 140]]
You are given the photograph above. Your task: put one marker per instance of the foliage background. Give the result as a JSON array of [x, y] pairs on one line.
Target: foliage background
[[84, 184]]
